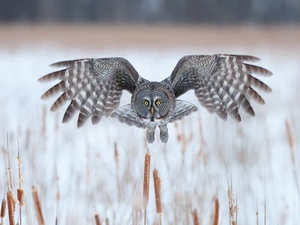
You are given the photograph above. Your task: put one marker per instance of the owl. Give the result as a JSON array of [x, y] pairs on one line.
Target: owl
[[222, 83]]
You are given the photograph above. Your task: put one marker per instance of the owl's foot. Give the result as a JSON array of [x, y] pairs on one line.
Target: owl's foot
[[164, 135], [150, 134]]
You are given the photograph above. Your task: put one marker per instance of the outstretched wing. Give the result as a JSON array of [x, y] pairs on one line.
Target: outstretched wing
[[222, 83], [94, 86]]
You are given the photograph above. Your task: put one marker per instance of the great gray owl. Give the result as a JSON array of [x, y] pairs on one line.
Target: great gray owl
[[222, 83]]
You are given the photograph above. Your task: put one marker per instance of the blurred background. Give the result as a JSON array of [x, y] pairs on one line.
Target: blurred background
[[155, 11], [253, 164]]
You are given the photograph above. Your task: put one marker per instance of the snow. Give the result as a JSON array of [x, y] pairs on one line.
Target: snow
[[253, 156]]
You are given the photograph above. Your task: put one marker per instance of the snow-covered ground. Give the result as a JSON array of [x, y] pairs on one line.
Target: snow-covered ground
[[253, 157]]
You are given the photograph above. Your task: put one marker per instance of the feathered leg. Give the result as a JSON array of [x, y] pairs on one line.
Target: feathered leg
[[150, 134], [164, 135]]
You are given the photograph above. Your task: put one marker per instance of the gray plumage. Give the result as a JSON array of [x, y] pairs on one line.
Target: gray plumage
[[222, 83]]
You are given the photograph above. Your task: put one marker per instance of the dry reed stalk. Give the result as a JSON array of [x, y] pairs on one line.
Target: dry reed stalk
[[38, 207], [202, 140], [291, 144], [233, 209], [27, 138], [97, 218], [10, 185], [265, 213], [3, 206], [290, 136], [44, 116], [146, 184], [177, 131], [106, 221], [57, 189], [10, 206], [20, 191], [216, 212], [157, 188], [195, 217], [116, 155], [184, 140]]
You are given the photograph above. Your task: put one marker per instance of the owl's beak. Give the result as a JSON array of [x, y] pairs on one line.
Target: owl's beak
[[152, 110], [152, 113]]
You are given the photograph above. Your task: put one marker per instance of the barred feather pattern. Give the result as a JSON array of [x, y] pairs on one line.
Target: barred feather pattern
[[222, 83], [182, 109], [93, 87]]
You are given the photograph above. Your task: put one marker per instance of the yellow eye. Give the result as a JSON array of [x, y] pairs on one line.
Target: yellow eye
[[158, 102], [146, 102]]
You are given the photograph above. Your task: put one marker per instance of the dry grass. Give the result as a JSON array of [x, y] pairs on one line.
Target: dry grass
[[233, 207], [146, 200], [292, 151]]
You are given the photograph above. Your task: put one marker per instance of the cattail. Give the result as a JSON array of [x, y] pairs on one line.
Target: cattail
[[10, 204], [38, 207], [146, 184], [146, 180], [97, 218], [3, 206], [216, 215], [195, 217], [157, 188], [20, 194]]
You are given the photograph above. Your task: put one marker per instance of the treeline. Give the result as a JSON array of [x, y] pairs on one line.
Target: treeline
[[172, 11]]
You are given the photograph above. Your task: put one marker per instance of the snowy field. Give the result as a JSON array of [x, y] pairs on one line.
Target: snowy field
[[78, 174]]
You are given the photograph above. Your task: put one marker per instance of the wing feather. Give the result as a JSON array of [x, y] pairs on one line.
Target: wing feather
[[222, 83], [93, 86]]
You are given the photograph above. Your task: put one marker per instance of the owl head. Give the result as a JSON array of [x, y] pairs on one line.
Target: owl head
[[153, 101]]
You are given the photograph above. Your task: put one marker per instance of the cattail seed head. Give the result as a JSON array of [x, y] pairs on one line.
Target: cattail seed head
[[97, 218], [216, 215], [38, 207], [20, 194], [10, 204], [3, 205], [146, 180], [195, 217], [157, 188]]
